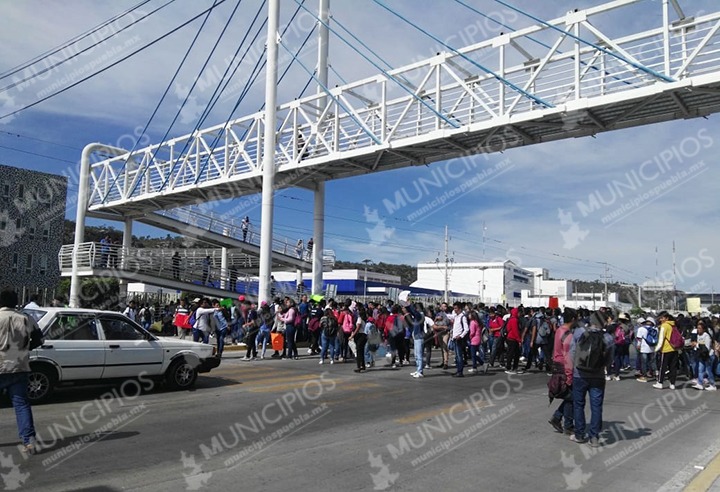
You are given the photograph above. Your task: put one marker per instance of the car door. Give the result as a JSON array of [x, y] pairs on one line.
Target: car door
[[130, 350], [72, 342]]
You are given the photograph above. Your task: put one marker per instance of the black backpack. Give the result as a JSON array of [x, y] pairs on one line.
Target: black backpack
[[330, 326], [590, 351]]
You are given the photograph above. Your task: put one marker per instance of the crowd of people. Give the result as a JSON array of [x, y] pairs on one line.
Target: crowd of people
[[477, 336], [581, 350]]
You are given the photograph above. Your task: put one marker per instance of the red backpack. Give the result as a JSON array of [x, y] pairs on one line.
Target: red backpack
[[676, 339]]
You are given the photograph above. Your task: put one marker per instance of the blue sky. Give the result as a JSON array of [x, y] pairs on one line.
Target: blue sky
[[536, 202]]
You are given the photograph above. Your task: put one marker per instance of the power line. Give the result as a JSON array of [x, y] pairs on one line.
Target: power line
[[40, 140], [92, 46], [68, 43], [84, 79]]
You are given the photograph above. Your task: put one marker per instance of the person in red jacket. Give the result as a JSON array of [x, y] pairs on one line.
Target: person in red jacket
[[513, 343], [562, 420]]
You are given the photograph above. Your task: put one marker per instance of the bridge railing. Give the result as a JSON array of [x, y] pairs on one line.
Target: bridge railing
[[195, 265], [516, 75], [232, 228]]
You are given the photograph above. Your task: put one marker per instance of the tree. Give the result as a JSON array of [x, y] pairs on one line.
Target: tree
[[714, 309]]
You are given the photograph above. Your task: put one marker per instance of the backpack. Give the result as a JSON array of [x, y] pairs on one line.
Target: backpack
[[652, 336], [347, 325], [590, 351], [619, 335], [544, 328], [676, 339], [147, 315], [330, 328], [192, 320], [373, 334]]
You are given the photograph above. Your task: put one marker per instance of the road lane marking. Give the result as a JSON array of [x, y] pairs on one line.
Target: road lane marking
[[706, 478], [291, 386]]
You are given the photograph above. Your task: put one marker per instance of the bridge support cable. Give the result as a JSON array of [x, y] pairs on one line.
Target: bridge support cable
[[387, 74], [140, 171], [620, 54], [351, 114], [496, 75]]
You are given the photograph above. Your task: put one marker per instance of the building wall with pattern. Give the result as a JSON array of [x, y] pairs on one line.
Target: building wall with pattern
[[32, 214]]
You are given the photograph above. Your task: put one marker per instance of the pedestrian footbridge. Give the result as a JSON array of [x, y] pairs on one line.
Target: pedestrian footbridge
[[578, 75], [197, 270]]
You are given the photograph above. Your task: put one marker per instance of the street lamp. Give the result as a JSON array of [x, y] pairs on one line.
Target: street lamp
[[367, 262]]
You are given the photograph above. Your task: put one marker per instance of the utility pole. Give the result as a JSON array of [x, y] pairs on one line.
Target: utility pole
[[483, 237], [606, 276], [448, 260], [674, 285]]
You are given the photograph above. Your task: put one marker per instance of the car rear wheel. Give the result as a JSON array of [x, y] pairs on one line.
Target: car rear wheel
[[41, 383], [181, 374]]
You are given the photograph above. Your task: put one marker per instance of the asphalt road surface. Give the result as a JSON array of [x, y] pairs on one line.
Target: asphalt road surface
[[296, 425]]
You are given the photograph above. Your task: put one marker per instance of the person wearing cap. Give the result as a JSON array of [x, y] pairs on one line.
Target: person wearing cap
[[622, 333], [646, 352]]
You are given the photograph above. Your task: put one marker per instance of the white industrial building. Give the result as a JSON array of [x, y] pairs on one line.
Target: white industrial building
[[492, 282]]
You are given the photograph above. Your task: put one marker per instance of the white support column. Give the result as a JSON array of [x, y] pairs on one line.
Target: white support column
[[224, 272], [298, 281], [224, 275], [318, 238], [126, 245], [81, 213], [319, 198], [268, 184]]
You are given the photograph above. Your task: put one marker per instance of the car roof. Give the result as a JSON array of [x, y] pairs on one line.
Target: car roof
[[55, 310]]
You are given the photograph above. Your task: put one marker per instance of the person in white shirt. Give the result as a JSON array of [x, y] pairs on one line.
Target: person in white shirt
[[460, 328], [203, 323], [646, 357], [130, 311]]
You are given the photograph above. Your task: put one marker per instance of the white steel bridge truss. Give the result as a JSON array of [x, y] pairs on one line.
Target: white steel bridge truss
[[456, 104]]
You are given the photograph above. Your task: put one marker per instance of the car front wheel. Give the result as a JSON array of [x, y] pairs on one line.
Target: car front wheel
[[41, 383], [181, 374]]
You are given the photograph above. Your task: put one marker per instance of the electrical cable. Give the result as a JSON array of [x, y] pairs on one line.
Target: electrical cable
[[68, 43], [104, 69], [78, 53]]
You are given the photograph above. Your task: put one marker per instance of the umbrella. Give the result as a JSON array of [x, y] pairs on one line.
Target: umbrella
[[316, 297]]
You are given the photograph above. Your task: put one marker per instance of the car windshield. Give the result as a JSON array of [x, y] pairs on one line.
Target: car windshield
[[36, 314]]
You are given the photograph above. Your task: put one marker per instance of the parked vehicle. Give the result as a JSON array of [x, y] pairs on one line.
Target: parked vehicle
[[94, 346]]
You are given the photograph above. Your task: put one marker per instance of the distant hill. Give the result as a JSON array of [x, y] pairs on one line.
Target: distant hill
[[95, 234]]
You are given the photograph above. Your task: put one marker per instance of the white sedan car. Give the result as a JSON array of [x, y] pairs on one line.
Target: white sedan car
[[92, 346]]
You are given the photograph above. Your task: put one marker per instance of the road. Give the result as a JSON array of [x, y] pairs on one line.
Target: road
[[296, 425]]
